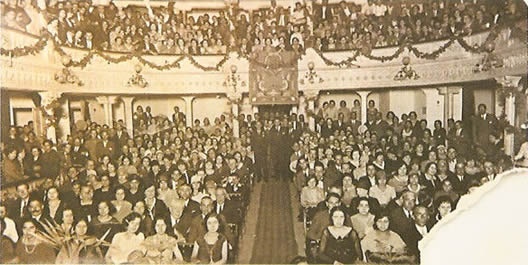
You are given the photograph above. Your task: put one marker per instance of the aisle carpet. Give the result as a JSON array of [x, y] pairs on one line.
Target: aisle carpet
[[275, 238]]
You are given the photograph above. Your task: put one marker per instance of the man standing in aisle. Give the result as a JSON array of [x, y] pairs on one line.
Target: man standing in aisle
[[483, 124]]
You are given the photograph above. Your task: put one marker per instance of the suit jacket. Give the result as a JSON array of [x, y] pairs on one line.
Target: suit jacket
[[319, 12], [91, 146], [182, 225], [51, 164], [400, 223], [230, 211], [482, 128], [121, 140], [110, 149], [197, 228], [159, 210], [192, 208], [460, 186], [412, 239], [15, 211]]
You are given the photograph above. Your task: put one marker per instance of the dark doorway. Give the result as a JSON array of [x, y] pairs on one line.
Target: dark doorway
[[280, 109]]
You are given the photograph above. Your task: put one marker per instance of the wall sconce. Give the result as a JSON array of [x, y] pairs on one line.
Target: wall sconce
[[233, 80], [137, 79], [311, 75], [406, 72], [489, 61], [66, 76]]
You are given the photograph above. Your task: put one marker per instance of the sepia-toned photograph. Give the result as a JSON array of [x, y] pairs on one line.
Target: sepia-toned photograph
[[264, 132]]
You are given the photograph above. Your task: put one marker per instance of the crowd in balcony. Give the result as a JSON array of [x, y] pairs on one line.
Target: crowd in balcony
[[325, 27]]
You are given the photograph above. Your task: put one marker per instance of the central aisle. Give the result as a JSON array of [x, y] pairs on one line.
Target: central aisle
[[275, 239]]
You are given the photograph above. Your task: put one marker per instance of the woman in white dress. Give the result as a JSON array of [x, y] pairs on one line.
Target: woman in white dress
[[127, 242]]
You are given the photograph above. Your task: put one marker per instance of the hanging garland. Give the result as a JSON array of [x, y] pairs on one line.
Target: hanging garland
[[26, 50]]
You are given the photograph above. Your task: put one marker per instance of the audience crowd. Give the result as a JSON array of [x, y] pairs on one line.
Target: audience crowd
[[178, 194], [366, 190], [322, 25], [370, 192]]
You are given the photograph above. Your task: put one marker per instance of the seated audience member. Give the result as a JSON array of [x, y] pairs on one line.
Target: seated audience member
[[442, 206], [382, 238], [419, 228], [339, 243], [381, 191], [125, 243], [161, 242], [30, 249], [212, 246], [363, 221]]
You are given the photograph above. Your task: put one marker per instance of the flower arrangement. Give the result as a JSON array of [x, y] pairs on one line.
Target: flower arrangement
[[69, 245], [159, 248]]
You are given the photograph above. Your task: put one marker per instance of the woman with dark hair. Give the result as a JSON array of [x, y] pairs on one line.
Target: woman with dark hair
[[127, 242], [382, 239], [442, 206], [363, 221], [122, 207], [429, 179], [400, 179], [31, 250], [339, 243], [212, 247], [53, 205], [161, 245], [104, 221], [88, 254]]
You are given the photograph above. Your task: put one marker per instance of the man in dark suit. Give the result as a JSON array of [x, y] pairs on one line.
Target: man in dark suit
[[322, 12], [460, 180], [121, 137], [50, 160], [20, 207], [483, 125], [106, 147], [226, 207], [180, 223], [419, 228], [197, 228], [36, 213], [79, 154], [191, 207], [340, 124], [401, 220], [354, 122], [258, 142]]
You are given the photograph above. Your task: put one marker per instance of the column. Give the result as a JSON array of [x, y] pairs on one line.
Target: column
[[311, 96], [129, 112], [364, 102], [235, 99], [188, 110], [64, 123], [449, 101], [509, 110], [49, 101], [111, 101], [255, 110], [103, 100], [434, 104]]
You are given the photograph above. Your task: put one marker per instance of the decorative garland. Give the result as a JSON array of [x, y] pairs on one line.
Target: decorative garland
[[26, 50]]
